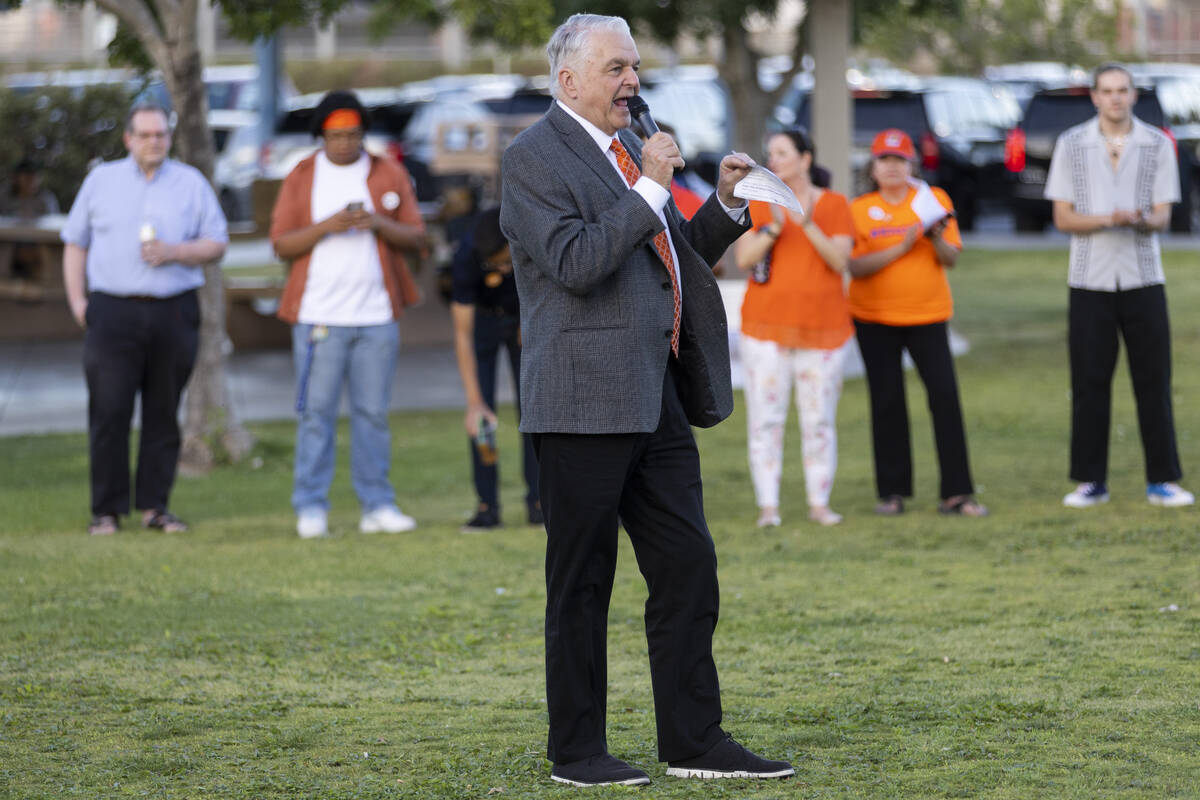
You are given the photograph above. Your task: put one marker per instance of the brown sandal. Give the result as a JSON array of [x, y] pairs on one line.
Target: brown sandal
[[963, 505], [164, 521], [103, 525], [890, 506]]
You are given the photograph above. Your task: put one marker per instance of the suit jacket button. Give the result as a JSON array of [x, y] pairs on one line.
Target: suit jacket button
[[668, 333], [666, 284]]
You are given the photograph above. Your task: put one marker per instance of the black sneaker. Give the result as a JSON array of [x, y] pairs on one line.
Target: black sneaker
[[485, 519], [601, 770], [728, 759]]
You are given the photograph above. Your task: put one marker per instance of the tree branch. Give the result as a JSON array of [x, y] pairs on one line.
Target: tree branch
[[136, 14]]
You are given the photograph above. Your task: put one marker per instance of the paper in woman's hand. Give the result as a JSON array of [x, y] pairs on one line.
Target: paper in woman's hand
[[762, 184], [926, 205]]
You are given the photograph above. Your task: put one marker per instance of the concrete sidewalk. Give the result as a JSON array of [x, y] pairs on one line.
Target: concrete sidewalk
[[42, 386]]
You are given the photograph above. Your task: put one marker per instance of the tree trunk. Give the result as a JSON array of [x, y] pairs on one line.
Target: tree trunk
[[210, 425], [170, 38], [751, 105]]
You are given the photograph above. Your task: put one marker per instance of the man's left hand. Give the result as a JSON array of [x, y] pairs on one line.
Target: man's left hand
[[157, 252], [734, 167]]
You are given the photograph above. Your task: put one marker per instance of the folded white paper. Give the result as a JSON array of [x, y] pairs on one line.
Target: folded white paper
[[762, 184], [926, 206]]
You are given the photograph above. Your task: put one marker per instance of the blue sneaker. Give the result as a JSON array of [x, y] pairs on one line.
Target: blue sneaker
[[1170, 495], [1087, 495]]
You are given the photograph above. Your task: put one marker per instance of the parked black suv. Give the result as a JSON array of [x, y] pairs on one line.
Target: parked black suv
[[958, 126], [1052, 111]]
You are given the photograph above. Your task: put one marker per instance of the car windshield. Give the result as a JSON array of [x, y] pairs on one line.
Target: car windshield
[[1180, 101], [873, 114], [953, 111], [1052, 113]]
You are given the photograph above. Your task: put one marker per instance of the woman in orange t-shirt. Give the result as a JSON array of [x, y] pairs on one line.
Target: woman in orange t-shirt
[[900, 300], [794, 325]]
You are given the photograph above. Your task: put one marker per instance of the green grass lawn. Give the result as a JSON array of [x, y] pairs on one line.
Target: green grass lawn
[[1039, 653]]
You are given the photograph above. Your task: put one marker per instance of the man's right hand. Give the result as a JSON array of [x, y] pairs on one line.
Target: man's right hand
[[347, 220], [79, 310], [471, 419], [660, 158]]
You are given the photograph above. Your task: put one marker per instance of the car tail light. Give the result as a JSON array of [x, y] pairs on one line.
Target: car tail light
[[1014, 150], [930, 154], [264, 156], [396, 150]]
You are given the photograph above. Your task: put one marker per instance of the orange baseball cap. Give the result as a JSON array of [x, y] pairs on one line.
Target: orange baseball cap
[[893, 142]]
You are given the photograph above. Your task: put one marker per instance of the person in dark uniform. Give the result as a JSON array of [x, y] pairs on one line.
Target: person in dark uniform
[[487, 316]]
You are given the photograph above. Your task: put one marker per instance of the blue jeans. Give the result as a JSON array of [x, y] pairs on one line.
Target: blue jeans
[[364, 359]]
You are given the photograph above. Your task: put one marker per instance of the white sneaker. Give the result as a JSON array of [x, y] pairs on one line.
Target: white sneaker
[[312, 523], [386, 519], [1087, 495], [1171, 495]]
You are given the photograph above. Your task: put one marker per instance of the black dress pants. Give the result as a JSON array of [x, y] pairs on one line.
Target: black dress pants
[[882, 348], [133, 346], [652, 481], [492, 331], [1140, 315]]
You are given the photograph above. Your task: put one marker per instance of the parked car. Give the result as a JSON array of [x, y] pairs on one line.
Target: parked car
[[957, 124], [1051, 111], [1027, 77], [230, 88], [235, 165]]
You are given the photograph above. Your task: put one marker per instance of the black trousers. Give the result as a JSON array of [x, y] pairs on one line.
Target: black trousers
[[1140, 315], [134, 346], [493, 331], [882, 348], [652, 481]]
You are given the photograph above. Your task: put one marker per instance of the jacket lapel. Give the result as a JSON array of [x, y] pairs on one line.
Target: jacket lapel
[[576, 138]]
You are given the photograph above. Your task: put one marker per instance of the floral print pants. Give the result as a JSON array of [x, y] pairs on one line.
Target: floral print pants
[[770, 370]]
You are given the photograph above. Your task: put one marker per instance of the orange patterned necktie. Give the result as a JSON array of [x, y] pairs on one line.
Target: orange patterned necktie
[[632, 173]]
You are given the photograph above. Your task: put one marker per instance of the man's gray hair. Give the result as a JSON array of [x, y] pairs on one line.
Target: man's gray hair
[[570, 39], [146, 105]]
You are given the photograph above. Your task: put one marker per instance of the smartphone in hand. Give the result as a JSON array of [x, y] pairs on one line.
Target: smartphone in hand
[[354, 207]]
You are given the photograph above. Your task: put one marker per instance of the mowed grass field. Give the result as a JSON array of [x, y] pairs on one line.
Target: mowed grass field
[[1039, 653]]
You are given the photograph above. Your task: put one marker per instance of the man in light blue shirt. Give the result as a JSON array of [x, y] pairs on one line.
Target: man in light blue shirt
[[137, 238]]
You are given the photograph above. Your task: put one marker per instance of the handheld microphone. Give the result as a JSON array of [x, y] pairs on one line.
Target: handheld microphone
[[641, 112]]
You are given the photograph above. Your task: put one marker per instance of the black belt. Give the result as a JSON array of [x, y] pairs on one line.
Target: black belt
[[145, 298]]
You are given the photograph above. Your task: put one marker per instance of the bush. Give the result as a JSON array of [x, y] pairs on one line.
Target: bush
[[63, 131]]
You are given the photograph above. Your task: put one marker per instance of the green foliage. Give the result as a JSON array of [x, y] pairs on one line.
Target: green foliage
[[63, 130], [127, 50], [967, 35], [1032, 654], [250, 19]]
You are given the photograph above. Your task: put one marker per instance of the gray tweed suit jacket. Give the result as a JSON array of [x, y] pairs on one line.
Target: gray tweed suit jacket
[[596, 301]]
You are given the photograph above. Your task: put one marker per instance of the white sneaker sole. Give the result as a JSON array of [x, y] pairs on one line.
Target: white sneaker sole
[[708, 774], [372, 528], [1170, 502], [313, 534], [642, 781], [1085, 503]]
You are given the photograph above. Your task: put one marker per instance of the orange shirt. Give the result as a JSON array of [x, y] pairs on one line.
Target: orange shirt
[[912, 290], [803, 303]]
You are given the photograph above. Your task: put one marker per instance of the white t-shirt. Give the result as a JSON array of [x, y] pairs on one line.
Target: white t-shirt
[[1081, 173], [345, 278]]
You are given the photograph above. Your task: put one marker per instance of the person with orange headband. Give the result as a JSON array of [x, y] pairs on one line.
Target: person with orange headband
[[344, 221]]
